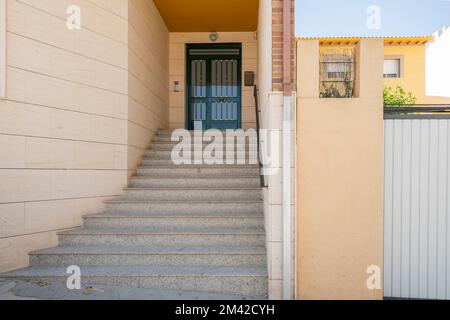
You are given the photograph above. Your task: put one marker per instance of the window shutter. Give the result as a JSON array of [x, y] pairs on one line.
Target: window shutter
[[392, 68]]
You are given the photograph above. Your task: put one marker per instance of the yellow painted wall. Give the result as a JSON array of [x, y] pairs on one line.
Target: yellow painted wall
[[177, 67], [339, 216], [413, 77]]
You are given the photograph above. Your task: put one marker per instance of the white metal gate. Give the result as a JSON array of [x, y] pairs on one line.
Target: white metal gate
[[417, 208]]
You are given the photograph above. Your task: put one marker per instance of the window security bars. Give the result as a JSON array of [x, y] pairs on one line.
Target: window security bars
[[337, 73]]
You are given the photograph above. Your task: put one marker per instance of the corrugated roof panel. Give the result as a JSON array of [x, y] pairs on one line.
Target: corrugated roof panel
[[387, 40]]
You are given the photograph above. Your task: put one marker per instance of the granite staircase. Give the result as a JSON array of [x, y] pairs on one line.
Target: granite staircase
[[197, 228]]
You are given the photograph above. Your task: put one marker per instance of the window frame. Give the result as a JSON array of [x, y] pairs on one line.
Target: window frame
[[400, 58], [2, 49]]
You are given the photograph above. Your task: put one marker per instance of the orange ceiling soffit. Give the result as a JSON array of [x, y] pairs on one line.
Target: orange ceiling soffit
[[209, 15]]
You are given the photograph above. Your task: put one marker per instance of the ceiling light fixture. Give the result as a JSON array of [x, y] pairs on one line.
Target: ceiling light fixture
[[213, 36]]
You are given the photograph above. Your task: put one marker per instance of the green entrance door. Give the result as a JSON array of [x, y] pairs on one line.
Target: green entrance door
[[214, 86]]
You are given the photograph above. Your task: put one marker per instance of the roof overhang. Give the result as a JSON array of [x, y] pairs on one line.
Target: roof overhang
[[387, 40], [209, 15]]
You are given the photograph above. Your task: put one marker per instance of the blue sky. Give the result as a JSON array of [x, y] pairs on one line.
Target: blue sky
[[339, 18]]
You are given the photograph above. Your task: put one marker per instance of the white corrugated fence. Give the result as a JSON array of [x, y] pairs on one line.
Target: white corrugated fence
[[417, 208]]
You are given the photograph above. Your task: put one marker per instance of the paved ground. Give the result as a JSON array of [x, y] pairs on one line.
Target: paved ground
[[31, 290]]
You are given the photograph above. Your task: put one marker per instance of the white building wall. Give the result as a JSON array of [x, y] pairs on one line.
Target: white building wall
[[438, 64], [271, 105]]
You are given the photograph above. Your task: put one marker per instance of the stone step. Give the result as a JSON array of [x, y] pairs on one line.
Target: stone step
[[192, 194], [205, 139], [246, 256], [170, 131], [151, 236], [206, 161], [191, 206], [195, 171], [169, 146], [244, 281], [196, 228], [191, 131], [209, 220], [160, 162], [167, 155], [169, 163], [199, 182], [167, 138], [167, 132]]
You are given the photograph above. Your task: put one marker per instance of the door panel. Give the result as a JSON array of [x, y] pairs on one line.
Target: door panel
[[214, 89], [198, 111], [224, 111], [224, 78], [198, 90], [198, 79]]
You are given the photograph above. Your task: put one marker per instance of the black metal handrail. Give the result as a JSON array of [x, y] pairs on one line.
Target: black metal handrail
[[258, 127]]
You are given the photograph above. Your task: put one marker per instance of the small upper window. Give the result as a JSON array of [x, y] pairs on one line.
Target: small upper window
[[2, 48], [391, 68]]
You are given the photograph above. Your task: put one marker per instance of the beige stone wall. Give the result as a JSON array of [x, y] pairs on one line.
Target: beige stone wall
[[264, 57], [273, 195], [148, 77], [271, 104], [69, 131], [339, 179], [177, 71]]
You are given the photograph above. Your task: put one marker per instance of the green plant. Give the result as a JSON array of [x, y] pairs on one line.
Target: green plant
[[330, 91], [398, 97], [349, 87], [337, 90]]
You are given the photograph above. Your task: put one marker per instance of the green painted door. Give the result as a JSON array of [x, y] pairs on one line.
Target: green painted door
[[214, 86]]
